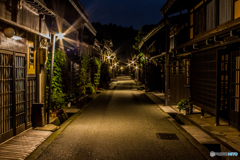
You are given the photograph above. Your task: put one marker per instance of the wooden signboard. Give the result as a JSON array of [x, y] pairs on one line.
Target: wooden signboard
[[187, 73]]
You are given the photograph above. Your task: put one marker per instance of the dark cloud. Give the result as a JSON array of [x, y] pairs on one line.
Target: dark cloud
[[125, 12]]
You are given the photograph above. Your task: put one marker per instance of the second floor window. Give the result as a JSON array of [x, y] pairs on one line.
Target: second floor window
[[210, 15], [225, 11], [199, 20]]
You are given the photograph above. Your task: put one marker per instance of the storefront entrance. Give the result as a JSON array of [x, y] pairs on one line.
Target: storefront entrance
[[13, 83], [234, 90]]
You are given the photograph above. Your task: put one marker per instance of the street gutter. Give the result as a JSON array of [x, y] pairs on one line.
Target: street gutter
[[205, 152]]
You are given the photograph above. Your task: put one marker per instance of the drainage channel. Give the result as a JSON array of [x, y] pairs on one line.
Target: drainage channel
[[203, 138]]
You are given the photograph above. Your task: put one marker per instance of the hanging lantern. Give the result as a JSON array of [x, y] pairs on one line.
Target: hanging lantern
[[9, 32]]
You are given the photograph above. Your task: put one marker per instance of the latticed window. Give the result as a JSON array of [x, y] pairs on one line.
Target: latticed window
[[210, 15], [225, 11], [199, 20]]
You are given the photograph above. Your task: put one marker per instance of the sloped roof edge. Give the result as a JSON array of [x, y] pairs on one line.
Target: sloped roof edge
[[151, 33]]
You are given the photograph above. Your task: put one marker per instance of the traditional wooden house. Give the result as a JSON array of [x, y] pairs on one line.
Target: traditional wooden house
[[213, 50], [153, 45], [24, 38]]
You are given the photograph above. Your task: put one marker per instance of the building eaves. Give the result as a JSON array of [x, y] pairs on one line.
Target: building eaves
[[40, 6], [90, 28], [24, 27], [150, 34], [167, 5], [158, 56], [87, 24]]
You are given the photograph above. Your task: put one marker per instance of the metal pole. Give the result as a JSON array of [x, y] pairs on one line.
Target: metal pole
[[50, 82]]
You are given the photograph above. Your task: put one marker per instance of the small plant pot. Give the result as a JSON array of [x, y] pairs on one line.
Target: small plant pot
[[53, 114], [59, 111], [184, 112]]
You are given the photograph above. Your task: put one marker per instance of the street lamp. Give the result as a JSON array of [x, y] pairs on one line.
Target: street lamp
[[59, 36]]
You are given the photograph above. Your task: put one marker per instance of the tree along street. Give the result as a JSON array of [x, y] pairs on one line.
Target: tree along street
[[120, 124]]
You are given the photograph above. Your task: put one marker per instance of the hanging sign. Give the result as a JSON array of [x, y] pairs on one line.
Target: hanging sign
[[187, 73]]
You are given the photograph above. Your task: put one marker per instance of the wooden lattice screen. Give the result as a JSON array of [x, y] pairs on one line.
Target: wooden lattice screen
[[31, 97], [204, 80], [14, 111], [6, 91]]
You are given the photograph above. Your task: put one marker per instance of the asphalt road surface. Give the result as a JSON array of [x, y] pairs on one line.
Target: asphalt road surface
[[120, 124]]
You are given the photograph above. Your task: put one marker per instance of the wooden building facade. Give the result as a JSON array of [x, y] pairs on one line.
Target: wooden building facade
[[211, 53], [23, 38], [26, 31]]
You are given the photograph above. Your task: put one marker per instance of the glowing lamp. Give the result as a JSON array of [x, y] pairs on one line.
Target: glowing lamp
[[60, 35]]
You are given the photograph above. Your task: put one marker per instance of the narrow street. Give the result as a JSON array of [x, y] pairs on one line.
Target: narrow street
[[120, 124]]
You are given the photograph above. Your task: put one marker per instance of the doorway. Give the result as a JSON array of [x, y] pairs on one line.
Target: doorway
[[234, 90]]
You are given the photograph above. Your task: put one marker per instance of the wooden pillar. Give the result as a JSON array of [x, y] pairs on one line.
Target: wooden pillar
[[14, 112], [26, 92], [218, 89], [38, 74], [166, 63], [81, 39]]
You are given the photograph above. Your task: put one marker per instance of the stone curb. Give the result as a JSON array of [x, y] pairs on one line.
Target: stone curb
[[38, 151], [205, 152], [226, 146]]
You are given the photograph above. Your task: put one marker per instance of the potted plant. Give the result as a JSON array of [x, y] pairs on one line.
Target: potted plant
[[58, 101], [183, 105]]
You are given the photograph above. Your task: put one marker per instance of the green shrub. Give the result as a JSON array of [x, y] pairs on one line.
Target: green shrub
[[58, 100], [97, 74], [90, 89], [183, 105]]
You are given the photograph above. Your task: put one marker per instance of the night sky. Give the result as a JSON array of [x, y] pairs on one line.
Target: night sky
[[124, 12]]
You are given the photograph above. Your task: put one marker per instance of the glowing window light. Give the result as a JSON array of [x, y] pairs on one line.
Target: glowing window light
[[16, 38]]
